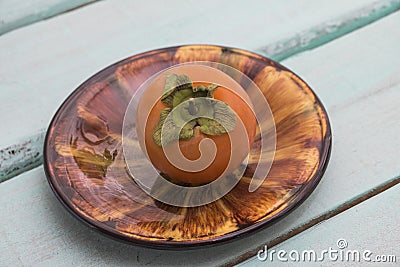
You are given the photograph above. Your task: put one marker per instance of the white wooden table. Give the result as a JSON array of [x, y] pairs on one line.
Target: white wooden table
[[348, 51]]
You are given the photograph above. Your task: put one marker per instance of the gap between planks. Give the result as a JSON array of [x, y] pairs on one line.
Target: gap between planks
[[46, 12], [27, 154], [330, 30], [323, 217]]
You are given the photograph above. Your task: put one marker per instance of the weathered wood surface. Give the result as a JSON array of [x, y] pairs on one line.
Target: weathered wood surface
[[371, 225], [47, 60], [18, 13], [358, 82], [329, 30]]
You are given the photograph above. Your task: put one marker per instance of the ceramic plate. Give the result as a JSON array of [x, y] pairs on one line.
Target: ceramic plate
[[85, 164]]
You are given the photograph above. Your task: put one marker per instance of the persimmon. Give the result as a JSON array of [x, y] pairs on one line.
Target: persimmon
[[227, 155]]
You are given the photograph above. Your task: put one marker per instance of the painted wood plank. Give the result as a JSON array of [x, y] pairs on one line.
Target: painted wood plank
[[361, 100], [42, 232], [363, 158], [21, 157], [39, 231], [18, 13], [329, 30], [44, 63], [370, 226]]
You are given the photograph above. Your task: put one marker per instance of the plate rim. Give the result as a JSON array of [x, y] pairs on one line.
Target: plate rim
[[309, 187]]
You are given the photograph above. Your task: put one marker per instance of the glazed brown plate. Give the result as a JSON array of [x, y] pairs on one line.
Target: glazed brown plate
[[85, 164]]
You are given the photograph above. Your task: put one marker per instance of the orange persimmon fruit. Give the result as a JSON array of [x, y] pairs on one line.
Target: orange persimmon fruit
[[228, 155]]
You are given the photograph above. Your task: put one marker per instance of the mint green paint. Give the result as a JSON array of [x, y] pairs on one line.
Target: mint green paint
[[330, 30], [21, 157], [375, 219], [39, 231], [19, 14], [28, 152]]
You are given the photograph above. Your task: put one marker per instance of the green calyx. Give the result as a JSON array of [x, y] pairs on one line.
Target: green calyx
[[190, 107]]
